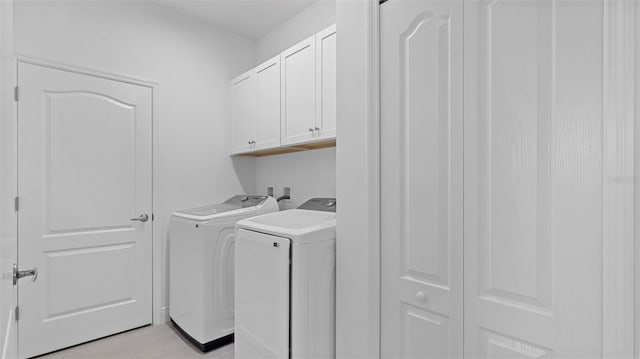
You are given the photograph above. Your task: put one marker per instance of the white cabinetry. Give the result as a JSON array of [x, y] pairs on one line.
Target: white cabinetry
[[243, 112], [326, 83], [289, 100], [309, 89], [268, 104], [255, 97], [299, 92]]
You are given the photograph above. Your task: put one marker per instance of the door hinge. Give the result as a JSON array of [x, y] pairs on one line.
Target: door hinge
[[17, 311], [16, 93], [16, 203]]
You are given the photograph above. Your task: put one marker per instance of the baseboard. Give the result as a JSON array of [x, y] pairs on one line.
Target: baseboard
[[9, 349], [162, 316]]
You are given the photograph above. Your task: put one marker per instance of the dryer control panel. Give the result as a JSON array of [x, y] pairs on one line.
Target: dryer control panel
[[320, 204]]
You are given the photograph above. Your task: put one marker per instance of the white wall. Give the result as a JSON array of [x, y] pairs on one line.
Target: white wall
[[191, 61], [357, 258], [314, 18], [310, 173]]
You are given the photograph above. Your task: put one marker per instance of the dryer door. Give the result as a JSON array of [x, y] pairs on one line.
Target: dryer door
[[262, 295]]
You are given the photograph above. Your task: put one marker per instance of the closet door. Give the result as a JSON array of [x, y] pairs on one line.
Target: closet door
[[421, 166], [268, 103], [243, 112], [299, 92], [533, 233]]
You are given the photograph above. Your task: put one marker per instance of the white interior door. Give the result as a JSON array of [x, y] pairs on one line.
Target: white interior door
[[421, 183], [533, 233], [84, 157]]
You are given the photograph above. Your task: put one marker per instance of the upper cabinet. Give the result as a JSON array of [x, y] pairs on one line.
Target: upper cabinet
[[255, 108], [326, 83], [298, 119], [268, 104], [288, 102], [243, 112]]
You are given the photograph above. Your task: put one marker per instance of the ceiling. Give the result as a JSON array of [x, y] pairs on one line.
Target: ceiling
[[249, 18]]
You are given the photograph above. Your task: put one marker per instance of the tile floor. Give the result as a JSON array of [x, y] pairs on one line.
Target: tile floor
[[160, 341]]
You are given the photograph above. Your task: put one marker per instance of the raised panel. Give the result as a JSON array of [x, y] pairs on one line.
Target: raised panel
[[243, 111], [425, 334], [326, 82], [299, 92], [516, 87], [268, 104], [85, 279], [495, 345], [425, 140], [90, 157]]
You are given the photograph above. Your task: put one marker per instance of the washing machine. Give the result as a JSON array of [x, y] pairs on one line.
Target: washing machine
[[285, 283], [201, 274]]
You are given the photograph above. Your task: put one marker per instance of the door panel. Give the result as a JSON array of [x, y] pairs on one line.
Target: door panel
[[326, 82], [533, 178], [268, 102], [421, 127], [243, 112], [85, 171], [299, 92]]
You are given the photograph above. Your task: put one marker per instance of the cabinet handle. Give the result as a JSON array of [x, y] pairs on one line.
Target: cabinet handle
[[249, 142], [317, 128], [311, 129]]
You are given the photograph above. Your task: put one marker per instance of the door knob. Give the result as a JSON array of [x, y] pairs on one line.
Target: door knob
[[143, 218], [317, 128], [421, 297], [21, 272], [311, 129]]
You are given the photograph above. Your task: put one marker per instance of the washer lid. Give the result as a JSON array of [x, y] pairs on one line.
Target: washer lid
[[236, 204], [299, 225]]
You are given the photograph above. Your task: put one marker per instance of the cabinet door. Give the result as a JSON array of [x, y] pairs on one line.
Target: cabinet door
[[243, 112], [326, 83], [299, 92], [421, 182], [268, 103]]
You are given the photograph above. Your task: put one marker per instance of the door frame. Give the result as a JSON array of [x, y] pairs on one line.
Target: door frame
[[160, 313], [358, 262], [8, 118]]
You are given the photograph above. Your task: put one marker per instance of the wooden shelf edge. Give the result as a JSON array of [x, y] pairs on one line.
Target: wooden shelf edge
[[290, 148]]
